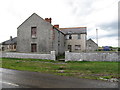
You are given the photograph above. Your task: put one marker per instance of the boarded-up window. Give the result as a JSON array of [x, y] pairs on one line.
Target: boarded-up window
[[33, 32], [34, 47], [77, 47]]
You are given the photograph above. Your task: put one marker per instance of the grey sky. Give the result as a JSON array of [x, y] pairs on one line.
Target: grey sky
[[100, 14]]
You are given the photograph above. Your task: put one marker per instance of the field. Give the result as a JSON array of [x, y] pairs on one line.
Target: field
[[83, 69]]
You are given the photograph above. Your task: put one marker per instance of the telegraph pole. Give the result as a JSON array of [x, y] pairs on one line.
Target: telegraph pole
[[97, 36]]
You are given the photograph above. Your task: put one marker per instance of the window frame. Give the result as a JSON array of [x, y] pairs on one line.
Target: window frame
[[77, 47], [67, 37], [69, 47], [79, 36], [33, 47], [34, 32], [70, 36]]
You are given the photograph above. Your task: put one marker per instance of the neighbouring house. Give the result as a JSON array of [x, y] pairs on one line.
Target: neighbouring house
[[91, 45], [36, 34], [1, 46], [75, 38], [9, 45]]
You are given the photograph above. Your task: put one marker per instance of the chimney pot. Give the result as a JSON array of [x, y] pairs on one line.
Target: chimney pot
[[48, 20], [11, 38], [56, 26]]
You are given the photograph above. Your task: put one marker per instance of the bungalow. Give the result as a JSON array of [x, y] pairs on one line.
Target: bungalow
[[91, 45], [9, 45]]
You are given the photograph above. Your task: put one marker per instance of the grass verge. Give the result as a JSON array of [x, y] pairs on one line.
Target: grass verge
[[83, 69]]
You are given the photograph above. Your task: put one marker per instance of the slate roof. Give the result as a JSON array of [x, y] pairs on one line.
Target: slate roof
[[75, 30], [92, 41], [13, 41]]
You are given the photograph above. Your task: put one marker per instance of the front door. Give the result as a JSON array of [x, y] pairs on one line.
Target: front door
[[34, 47]]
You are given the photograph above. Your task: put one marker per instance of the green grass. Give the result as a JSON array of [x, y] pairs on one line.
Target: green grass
[[83, 69]]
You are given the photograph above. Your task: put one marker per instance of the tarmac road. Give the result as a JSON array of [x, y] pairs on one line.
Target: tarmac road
[[25, 79]]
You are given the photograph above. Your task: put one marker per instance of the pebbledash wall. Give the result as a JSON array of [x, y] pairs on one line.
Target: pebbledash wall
[[50, 56], [99, 56]]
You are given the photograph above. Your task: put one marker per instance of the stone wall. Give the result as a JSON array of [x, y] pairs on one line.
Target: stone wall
[[99, 56], [50, 56], [75, 41]]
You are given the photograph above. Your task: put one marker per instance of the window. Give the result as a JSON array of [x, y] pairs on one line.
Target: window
[[34, 47], [70, 48], [33, 32], [67, 36], [14, 46], [3, 48], [89, 45], [11, 47], [77, 47], [70, 36], [79, 36]]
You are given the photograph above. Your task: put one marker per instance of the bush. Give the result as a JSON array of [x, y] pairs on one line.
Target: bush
[[118, 49]]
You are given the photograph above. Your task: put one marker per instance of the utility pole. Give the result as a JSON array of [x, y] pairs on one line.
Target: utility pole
[[97, 36]]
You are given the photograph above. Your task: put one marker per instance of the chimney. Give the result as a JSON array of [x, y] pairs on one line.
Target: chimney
[[56, 26], [11, 38], [48, 20]]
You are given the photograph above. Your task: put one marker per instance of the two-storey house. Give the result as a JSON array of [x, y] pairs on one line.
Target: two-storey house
[[38, 35], [75, 38]]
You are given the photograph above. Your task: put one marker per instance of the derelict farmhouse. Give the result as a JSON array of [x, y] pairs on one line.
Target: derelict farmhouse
[[38, 35]]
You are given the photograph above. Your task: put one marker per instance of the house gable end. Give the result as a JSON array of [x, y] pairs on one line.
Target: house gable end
[[90, 40], [34, 14]]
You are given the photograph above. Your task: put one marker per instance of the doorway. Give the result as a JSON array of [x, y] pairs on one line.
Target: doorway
[[33, 47]]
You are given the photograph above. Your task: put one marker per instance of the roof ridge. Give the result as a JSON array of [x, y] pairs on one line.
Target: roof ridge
[[72, 27], [28, 18]]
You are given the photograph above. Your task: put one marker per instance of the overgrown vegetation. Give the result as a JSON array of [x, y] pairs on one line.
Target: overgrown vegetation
[[83, 69], [60, 57]]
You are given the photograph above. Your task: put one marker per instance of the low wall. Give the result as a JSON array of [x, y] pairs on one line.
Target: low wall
[[112, 56], [50, 56]]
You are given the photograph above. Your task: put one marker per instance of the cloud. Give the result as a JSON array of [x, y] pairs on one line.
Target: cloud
[[81, 7], [109, 26], [101, 14], [107, 41], [108, 29]]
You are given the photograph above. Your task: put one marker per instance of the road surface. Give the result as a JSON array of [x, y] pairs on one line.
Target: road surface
[[25, 79]]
